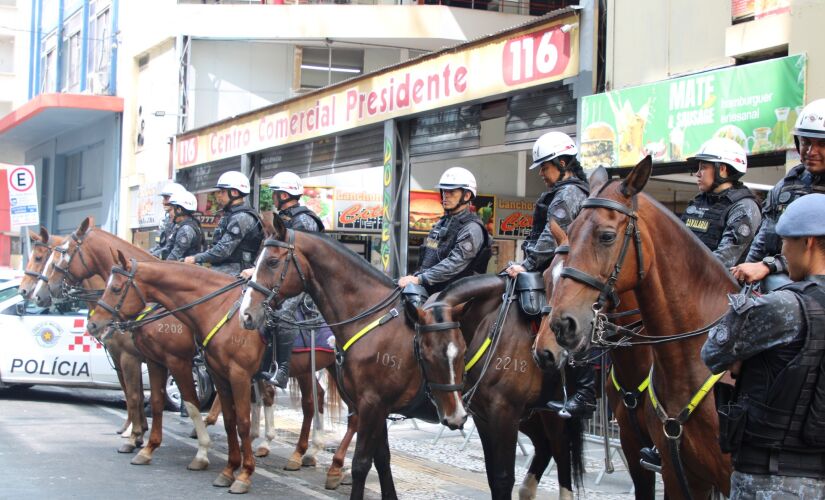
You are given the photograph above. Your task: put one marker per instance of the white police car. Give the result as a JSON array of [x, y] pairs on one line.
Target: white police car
[[51, 347]]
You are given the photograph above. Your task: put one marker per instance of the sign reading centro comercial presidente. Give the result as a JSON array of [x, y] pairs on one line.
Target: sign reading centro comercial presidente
[[516, 60], [756, 105]]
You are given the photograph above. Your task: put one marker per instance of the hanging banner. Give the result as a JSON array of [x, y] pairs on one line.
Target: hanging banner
[[756, 105]]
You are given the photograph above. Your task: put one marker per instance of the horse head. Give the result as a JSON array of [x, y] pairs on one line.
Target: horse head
[[122, 291], [605, 256], [439, 338], [65, 265], [42, 245], [278, 275], [547, 352]]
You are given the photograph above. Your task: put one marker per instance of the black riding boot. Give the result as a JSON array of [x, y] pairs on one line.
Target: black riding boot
[[265, 372], [583, 402], [651, 459], [284, 341]]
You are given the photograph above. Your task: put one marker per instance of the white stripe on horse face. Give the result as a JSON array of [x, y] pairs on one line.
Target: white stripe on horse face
[[556, 273], [247, 295], [45, 270], [452, 352]]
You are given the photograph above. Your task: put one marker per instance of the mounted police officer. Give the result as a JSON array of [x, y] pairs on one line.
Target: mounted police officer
[[765, 257], [458, 245], [166, 225], [554, 154], [186, 236], [772, 425], [237, 239], [287, 189], [724, 215]]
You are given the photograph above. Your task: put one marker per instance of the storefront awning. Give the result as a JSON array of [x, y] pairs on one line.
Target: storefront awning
[[49, 115]]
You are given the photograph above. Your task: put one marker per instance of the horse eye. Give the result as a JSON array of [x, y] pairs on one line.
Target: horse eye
[[607, 237], [38, 259], [272, 262], [116, 289]]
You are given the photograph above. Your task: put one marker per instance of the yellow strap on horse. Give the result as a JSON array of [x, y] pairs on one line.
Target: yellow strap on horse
[[642, 387], [695, 400], [372, 326], [144, 312], [478, 354], [222, 322]]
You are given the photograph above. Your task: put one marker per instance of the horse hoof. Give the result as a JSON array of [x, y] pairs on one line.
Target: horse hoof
[[309, 461], [262, 451], [126, 448], [565, 494], [240, 487], [333, 480], [141, 459], [198, 464], [223, 481], [346, 480], [292, 465]]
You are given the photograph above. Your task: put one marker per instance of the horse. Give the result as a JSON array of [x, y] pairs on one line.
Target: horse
[[624, 240], [42, 245], [384, 361], [509, 388], [626, 384], [166, 345]]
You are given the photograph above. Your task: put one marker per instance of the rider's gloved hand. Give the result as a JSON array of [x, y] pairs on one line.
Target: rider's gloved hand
[[514, 270], [406, 280], [247, 273]]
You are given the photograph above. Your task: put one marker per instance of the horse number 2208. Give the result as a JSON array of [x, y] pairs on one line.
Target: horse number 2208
[[170, 328]]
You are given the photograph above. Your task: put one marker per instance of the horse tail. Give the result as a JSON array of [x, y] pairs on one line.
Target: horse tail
[[574, 430]]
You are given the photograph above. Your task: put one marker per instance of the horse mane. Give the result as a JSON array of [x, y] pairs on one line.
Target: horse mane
[[357, 261], [113, 237], [472, 286]]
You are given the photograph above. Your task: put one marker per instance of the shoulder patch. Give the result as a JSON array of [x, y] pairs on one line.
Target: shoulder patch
[[744, 230]]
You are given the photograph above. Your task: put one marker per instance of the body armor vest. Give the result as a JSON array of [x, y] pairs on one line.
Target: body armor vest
[[540, 210], [777, 390], [441, 241], [246, 252], [708, 213], [197, 247], [793, 187], [290, 213]]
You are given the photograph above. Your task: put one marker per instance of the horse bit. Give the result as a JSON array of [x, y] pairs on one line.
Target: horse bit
[[272, 293]]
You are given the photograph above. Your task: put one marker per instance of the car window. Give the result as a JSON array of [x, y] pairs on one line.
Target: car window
[[75, 308], [8, 293]]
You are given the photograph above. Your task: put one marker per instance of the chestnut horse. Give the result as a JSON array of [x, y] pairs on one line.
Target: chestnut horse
[[42, 245], [626, 383], [165, 345], [384, 360], [510, 388], [624, 240]]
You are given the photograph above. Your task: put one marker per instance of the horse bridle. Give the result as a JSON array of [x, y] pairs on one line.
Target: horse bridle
[[39, 276], [434, 327], [272, 293], [130, 283], [65, 270]]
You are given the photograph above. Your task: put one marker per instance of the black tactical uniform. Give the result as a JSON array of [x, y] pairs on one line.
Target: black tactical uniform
[[457, 246], [726, 222], [236, 241], [185, 239], [773, 423], [164, 230]]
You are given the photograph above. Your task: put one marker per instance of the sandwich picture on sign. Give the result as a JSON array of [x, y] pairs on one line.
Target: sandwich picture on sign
[[425, 210], [598, 146]]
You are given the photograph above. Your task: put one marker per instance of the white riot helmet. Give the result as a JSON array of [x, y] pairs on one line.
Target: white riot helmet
[[552, 145], [171, 188], [723, 150], [458, 177], [811, 121], [234, 180], [185, 200], [288, 183]]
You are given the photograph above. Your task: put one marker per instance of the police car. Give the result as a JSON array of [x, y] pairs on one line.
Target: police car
[[52, 347]]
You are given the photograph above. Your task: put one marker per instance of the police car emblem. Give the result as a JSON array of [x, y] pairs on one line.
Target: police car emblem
[[47, 334]]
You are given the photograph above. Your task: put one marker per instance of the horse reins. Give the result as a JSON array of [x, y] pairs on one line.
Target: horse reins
[[130, 283]]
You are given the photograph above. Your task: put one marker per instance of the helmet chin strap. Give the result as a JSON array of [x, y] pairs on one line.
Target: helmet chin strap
[[460, 203]]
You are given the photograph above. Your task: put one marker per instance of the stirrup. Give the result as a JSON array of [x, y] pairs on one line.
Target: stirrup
[[650, 459]]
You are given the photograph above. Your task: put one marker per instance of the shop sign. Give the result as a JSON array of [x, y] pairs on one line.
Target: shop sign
[[756, 105], [208, 209], [23, 206], [319, 199], [150, 205], [535, 56], [741, 9], [359, 211], [425, 210], [514, 218]]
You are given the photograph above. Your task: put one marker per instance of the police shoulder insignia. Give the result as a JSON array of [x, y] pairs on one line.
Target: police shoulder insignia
[[744, 230], [235, 229], [784, 197], [560, 213], [720, 334], [739, 302]]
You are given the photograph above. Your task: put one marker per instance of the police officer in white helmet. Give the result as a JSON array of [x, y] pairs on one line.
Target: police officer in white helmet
[[458, 245], [237, 239], [554, 154], [186, 237], [166, 225]]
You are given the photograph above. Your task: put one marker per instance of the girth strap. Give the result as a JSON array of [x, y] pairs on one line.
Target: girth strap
[[226, 317], [393, 313]]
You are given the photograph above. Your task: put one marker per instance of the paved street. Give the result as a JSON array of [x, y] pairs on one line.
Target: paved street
[[60, 443]]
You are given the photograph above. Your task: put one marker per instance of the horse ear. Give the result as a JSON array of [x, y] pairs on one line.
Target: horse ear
[[278, 228], [269, 229], [124, 263], [84, 226], [598, 178], [459, 309], [558, 233], [44, 233], [34, 236], [636, 181]]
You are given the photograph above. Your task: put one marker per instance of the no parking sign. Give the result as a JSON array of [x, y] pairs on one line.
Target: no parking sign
[[22, 196]]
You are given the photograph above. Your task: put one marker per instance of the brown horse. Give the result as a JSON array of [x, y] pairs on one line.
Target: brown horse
[[42, 245], [624, 240], [627, 380], [385, 362], [165, 345], [510, 390]]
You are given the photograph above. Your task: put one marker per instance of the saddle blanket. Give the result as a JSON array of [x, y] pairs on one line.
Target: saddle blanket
[[324, 339]]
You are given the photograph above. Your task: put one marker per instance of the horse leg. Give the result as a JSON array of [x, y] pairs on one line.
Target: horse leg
[[335, 474], [268, 397], [309, 459], [498, 439], [370, 423], [157, 385], [227, 475], [133, 388], [181, 369], [210, 418], [382, 465], [644, 481], [128, 422], [542, 454], [241, 394], [558, 436], [304, 382]]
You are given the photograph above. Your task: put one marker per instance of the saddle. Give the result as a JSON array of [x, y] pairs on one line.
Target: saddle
[[530, 290]]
